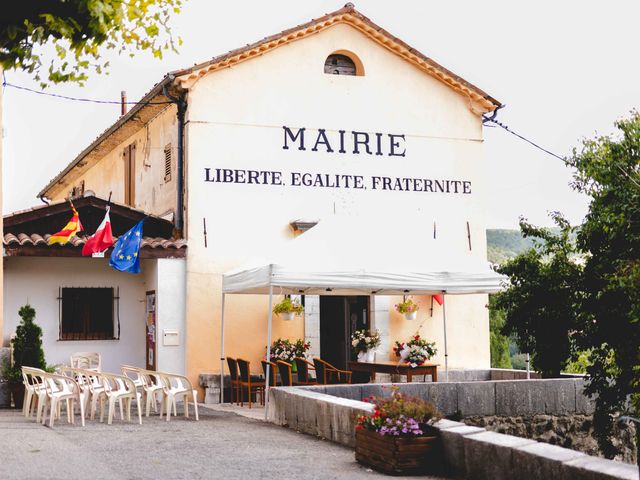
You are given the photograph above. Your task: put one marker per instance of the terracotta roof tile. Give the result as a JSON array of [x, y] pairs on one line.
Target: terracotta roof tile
[[22, 239]]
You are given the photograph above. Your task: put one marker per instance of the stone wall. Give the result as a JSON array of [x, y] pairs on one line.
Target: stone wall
[[572, 431], [469, 451]]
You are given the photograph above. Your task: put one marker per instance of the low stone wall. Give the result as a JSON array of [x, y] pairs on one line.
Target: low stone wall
[[466, 399], [572, 431], [469, 451]]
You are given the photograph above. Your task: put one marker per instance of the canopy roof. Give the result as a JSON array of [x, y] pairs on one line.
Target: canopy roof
[[350, 256]]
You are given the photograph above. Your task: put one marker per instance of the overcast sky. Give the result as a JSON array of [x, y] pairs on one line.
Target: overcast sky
[[565, 70]]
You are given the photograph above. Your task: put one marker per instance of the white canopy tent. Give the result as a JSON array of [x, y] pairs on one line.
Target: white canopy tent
[[357, 256]]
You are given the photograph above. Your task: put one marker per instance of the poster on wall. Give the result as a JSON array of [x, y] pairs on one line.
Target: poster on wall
[[151, 330]]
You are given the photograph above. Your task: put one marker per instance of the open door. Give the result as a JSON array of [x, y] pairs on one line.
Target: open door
[[340, 316]]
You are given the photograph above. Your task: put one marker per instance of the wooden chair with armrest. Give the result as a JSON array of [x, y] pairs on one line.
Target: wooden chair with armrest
[[234, 380], [286, 376], [327, 373], [303, 366], [244, 381]]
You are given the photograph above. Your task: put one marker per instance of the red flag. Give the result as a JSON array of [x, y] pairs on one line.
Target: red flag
[[439, 299], [101, 240]]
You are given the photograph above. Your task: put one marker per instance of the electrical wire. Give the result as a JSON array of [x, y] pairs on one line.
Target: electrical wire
[[486, 120], [77, 99]]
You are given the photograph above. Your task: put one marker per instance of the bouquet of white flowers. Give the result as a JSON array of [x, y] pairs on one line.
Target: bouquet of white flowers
[[363, 341]]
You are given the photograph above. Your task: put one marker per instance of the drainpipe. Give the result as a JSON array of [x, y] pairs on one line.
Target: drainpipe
[[182, 109]]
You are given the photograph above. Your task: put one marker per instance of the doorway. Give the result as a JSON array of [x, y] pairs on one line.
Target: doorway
[[340, 316]]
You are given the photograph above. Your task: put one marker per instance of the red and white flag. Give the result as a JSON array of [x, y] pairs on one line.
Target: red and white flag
[[101, 240], [439, 299]]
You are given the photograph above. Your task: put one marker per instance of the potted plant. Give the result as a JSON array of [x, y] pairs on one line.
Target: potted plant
[[408, 308], [27, 351], [398, 437], [285, 350], [287, 308], [416, 351], [364, 344]]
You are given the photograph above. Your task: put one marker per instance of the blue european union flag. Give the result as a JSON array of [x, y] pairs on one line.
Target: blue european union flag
[[126, 252]]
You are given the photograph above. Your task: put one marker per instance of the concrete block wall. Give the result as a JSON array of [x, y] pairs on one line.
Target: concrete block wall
[[503, 397], [469, 452]]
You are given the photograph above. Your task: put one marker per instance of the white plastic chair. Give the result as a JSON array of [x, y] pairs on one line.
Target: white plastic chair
[[87, 361], [33, 386], [150, 383], [118, 388], [59, 388], [175, 386]]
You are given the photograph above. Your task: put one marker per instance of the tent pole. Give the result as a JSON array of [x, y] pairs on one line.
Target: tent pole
[[446, 353], [266, 381], [222, 354]]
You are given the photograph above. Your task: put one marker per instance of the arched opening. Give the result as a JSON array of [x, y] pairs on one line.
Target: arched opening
[[343, 63]]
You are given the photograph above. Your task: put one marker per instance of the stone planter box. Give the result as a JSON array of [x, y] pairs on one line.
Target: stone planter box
[[398, 455]]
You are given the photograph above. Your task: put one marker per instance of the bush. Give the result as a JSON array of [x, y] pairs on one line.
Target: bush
[[27, 345]]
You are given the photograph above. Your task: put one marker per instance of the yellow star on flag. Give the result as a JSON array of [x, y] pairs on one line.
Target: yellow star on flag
[[128, 257]]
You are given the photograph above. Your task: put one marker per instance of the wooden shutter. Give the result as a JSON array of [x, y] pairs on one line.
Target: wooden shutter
[[129, 156]]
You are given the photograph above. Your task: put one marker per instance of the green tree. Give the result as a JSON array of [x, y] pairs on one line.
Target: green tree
[[78, 31], [27, 344], [500, 357], [607, 169], [540, 302]]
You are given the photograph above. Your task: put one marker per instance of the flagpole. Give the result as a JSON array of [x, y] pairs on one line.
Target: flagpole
[[446, 354]]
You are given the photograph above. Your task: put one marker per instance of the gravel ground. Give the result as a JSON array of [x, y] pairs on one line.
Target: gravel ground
[[220, 445]]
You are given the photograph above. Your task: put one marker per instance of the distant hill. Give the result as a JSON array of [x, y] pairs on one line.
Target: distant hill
[[503, 244]]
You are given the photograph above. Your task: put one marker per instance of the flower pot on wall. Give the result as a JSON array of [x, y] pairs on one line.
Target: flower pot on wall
[[398, 455], [411, 315], [287, 316]]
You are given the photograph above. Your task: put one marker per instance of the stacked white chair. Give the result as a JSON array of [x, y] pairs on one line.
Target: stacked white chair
[[176, 386]]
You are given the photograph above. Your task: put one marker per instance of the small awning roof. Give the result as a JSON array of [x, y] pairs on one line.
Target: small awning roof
[[355, 255]]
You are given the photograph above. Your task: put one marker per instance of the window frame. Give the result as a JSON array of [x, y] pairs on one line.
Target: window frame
[[90, 332]]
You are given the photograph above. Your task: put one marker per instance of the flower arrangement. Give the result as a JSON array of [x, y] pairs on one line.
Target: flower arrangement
[[399, 415], [406, 306], [416, 351], [362, 341], [286, 350], [288, 306]]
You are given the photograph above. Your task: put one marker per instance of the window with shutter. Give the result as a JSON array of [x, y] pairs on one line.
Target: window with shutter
[[339, 63], [167, 163], [87, 314], [129, 156]]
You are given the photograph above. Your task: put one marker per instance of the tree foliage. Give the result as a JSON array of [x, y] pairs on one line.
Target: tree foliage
[[78, 31], [588, 311], [540, 302], [608, 170], [500, 357]]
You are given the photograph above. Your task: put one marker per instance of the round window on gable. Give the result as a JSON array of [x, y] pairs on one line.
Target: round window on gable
[[341, 63]]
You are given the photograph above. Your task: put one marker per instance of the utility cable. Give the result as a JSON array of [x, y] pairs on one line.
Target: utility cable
[[77, 99], [486, 120]]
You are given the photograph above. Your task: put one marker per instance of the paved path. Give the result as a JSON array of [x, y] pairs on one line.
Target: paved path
[[221, 445]]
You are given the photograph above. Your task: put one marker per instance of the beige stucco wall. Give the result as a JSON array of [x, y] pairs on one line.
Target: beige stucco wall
[[1, 229], [152, 193], [235, 121]]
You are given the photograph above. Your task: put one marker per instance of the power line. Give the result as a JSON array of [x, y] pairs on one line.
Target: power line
[[492, 119], [78, 99]]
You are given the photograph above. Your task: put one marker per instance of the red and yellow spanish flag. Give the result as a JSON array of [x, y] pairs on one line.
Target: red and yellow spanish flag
[[69, 230]]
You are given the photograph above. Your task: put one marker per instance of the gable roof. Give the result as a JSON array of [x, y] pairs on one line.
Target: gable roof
[[176, 82]]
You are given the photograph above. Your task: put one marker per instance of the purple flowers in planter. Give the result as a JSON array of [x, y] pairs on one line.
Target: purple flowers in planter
[[401, 426]]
